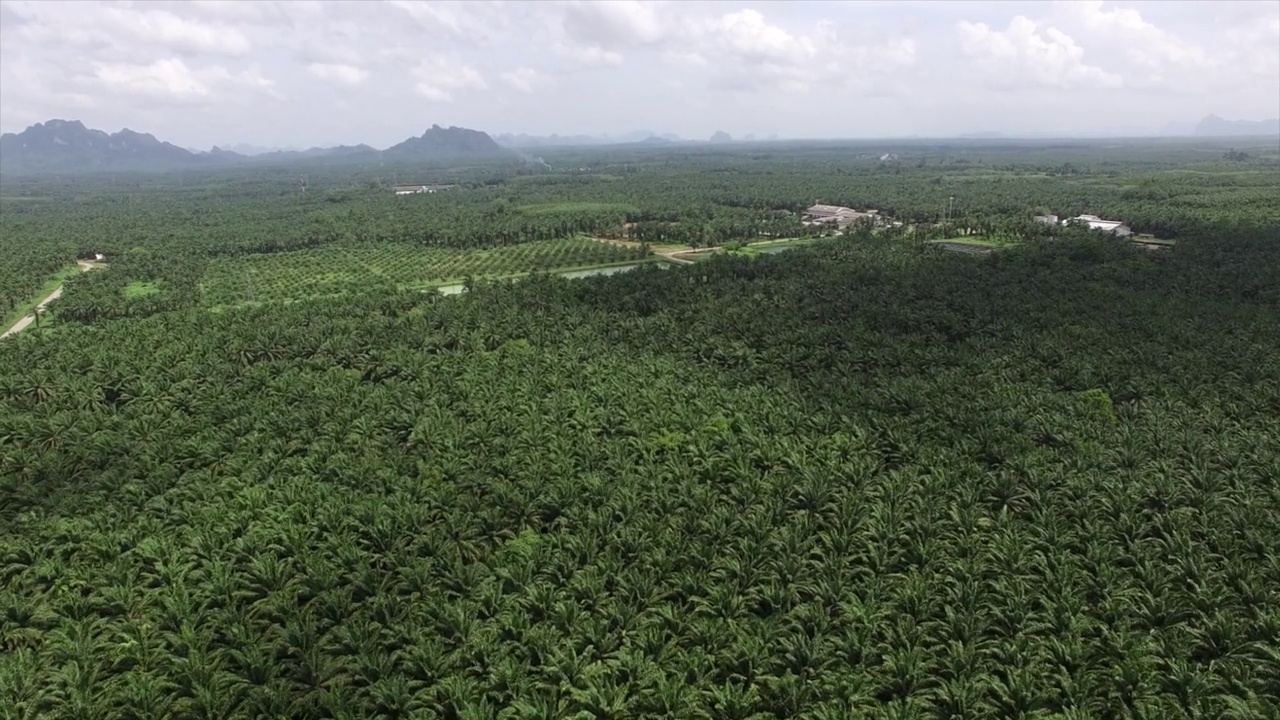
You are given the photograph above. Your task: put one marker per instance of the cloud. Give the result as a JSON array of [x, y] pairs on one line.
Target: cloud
[[744, 52], [168, 30], [475, 22], [125, 29], [748, 38], [523, 79], [189, 68], [588, 55], [439, 78], [1022, 57], [594, 33], [867, 60], [171, 80], [338, 73], [689, 60], [612, 23], [1146, 44], [162, 78]]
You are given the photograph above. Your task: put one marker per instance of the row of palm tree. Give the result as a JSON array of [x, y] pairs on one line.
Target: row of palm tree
[[857, 480]]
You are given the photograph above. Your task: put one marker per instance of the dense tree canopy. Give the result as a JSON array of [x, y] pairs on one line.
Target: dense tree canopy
[[865, 478]]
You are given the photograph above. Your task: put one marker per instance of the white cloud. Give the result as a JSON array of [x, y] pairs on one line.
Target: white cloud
[[867, 60], [228, 9], [691, 60], [1022, 57], [168, 30], [588, 55], [594, 33], [172, 80], [338, 73], [125, 29], [749, 39], [523, 79], [1146, 44], [163, 78], [612, 23], [475, 21], [439, 78]]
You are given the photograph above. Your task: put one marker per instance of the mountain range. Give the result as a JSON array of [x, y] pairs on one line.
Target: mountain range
[[60, 146]]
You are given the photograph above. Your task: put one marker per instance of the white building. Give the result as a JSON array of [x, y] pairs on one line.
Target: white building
[[1115, 227], [1046, 219], [419, 189], [841, 216]]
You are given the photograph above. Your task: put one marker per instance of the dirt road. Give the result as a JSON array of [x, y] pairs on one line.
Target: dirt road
[[671, 255], [85, 266]]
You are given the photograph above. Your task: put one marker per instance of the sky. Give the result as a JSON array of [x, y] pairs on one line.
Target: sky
[[304, 73]]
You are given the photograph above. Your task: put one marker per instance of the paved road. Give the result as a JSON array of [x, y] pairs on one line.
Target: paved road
[[24, 322]]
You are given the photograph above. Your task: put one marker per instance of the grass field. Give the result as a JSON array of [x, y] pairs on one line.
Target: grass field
[[328, 271], [980, 242], [140, 289], [766, 247], [50, 285]]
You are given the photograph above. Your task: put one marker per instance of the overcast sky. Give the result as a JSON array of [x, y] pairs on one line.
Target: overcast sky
[[316, 73]]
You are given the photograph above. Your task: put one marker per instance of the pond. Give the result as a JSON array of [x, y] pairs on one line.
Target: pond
[[589, 272]]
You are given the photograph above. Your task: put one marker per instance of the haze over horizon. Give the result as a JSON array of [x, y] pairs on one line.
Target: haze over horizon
[[303, 74]]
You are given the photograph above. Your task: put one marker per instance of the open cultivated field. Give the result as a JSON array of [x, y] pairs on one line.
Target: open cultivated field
[[327, 271]]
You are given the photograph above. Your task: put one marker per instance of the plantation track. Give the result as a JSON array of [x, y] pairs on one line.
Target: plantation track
[[26, 321]]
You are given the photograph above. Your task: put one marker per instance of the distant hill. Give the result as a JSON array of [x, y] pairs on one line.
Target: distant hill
[[553, 140], [248, 150], [526, 141], [343, 152], [1214, 126], [68, 146], [453, 143], [721, 136]]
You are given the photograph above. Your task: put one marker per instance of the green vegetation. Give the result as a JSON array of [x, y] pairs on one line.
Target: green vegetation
[[857, 479], [139, 289], [979, 241], [768, 247], [328, 271], [562, 207]]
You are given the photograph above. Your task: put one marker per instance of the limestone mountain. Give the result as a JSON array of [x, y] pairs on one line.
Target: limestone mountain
[[1214, 126], [69, 146], [721, 136], [447, 144]]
